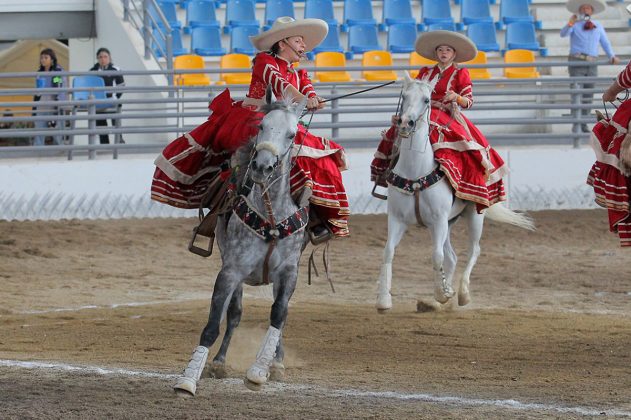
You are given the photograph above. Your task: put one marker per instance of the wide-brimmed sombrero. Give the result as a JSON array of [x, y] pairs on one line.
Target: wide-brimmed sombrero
[[312, 31], [427, 43], [574, 5]]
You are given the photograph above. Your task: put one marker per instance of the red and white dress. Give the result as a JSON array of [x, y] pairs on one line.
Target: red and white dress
[[198, 160], [610, 185], [473, 167]]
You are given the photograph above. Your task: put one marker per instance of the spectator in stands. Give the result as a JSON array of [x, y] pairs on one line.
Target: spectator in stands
[[473, 168], [48, 63], [184, 168], [611, 174], [104, 63], [586, 35]]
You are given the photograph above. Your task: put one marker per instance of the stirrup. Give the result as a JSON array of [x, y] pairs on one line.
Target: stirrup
[[376, 194], [326, 236], [203, 252]]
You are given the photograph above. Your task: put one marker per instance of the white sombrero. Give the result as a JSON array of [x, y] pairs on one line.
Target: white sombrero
[[312, 31], [427, 43], [574, 5]]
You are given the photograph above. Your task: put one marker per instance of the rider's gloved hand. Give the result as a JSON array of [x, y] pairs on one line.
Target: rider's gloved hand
[[314, 103]]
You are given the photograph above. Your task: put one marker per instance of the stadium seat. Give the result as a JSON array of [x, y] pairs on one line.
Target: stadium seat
[[168, 10], [522, 36], [357, 12], [240, 39], [240, 13], [378, 58], [331, 59], [89, 82], [418, 61], [188, 62], [362, 38], [515, 11], [520, 56], [436, 11], [401, 37], [474, 11], [320, 9], [442, 26], [235, 61], [160, 48], [479, 73], [483, 36], [200, 13], [275, 9], [206, 40], [330, 44], [396, 12]]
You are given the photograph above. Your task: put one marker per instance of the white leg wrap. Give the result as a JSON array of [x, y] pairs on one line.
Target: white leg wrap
[[259, 371], [384, 299], [192, 373]]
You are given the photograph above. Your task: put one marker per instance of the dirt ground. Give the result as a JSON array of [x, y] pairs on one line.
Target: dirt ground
[[547, 335]]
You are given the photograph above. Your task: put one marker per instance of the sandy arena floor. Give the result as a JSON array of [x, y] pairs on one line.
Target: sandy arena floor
[[97, 318]]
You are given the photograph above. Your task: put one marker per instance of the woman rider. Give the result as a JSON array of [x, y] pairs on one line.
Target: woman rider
[[474, 169], [199, 160]]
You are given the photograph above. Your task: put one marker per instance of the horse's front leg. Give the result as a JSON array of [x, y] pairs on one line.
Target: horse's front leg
[[475, 222], [233, 317], [226, 283], [396, 229], [284, 287], [439, 230]]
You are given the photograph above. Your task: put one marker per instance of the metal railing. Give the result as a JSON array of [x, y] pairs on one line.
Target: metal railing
[[546, 110]]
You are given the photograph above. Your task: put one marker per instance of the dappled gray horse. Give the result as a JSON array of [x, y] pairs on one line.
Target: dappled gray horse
[[262, 241]]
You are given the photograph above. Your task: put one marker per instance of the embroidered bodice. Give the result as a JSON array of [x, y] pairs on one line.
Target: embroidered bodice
[[451, 78]]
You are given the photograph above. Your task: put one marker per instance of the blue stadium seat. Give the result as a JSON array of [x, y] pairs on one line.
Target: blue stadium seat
[[474, 11], [515, 11], [357, 12], [169, 12], [401, 37], [89, 82], [277, 8], [206, 40], [331, 43], [483, 36], [521, 35], [436, 11], [200, 13], [240, 41], [160, 48], [396, 11], [320, 9], [445, 26], [362, 38], [240, 13]]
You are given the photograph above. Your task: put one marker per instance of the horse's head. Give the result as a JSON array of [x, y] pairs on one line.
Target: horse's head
[[275, 139], [417, 98]]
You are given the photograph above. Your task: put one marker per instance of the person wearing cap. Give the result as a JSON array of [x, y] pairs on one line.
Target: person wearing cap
[[610, 176], [199, 160], [586, 35], [474, 169]]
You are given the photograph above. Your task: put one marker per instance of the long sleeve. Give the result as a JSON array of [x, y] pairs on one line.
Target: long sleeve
[[604, 42], [624, 78], [119, 81], [268, 69], [306, 88], [464, 87], [566, 31]]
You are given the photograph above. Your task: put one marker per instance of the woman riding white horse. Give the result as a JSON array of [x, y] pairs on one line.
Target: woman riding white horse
[[474, 169], [199, 161]]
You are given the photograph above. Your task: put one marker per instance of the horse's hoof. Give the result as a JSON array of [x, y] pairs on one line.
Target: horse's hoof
[[185, 387], [383, 310], [277, 372], [252, 386], [422, 307], [384, 303], [257, 375], [464, 299], [217, 370]]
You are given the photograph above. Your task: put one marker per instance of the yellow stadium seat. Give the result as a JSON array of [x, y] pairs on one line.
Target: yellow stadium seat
[[331, 59], [418, 61], [520, 56], [479, 73], [378, 58], [235, 61], [189, 62]]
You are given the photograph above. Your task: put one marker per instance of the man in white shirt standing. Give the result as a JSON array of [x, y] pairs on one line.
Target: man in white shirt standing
[[586, 35]]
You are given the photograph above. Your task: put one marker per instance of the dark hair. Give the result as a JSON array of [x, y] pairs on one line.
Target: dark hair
[[275, 49], [49, 52], [102, 49]]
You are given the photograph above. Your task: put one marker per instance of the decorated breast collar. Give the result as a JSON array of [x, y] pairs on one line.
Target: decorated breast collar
[[263, 228], [409, 186]]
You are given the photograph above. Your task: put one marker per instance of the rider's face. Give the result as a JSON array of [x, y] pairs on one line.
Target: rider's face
[[445, 54], [293, 48]]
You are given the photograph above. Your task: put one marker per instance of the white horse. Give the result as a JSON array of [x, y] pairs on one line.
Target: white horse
[[422, 194]]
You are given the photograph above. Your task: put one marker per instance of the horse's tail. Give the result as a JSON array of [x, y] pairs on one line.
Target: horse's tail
[[501, 214]]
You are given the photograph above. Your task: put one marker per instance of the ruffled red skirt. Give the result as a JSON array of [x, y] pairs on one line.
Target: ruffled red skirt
[[197, 161]]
